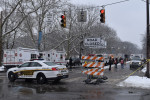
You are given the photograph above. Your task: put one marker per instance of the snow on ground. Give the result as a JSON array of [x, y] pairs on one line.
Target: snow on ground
[[144, 69], [136, 81]]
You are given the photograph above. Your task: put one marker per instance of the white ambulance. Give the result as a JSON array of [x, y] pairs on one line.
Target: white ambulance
[[55, 56], [15, 57]]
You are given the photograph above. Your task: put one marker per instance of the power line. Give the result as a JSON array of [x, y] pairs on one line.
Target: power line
[[116, 3], [106, 5], [144, 1]]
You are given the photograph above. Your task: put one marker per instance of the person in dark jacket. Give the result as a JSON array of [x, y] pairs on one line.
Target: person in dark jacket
[[70, 62], [110, 63], [116, 62], [122, 63]]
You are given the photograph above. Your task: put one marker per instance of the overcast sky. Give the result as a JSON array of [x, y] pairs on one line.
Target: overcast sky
[[127, 18]]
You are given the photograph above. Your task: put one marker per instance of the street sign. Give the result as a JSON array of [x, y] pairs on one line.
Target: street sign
[[49, 19], [95, 43], [82, 16]]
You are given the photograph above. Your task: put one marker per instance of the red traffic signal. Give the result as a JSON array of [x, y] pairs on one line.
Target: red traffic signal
[[62, 16], [102, 11], [63, 21], [102, 15]]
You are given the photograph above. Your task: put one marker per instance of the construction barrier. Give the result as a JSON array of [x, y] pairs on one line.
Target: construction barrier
[[97, 67], [95, 71], [92, 58], [94, 64]]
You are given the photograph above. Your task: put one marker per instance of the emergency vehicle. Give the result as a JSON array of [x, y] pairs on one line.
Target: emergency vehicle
[[15, 57], [39, 70], [139, 55], [55, 56]]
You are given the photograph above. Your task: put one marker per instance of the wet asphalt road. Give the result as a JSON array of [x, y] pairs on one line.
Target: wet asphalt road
[[73, 88]]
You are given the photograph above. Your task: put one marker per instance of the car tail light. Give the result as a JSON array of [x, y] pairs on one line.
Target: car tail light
[[55, 69]]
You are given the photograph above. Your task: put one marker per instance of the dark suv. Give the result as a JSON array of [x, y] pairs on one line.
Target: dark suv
[[76, 61]]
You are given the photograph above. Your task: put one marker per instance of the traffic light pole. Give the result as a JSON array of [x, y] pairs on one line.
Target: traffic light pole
[[148, 39], [1, 44], [80, 52]]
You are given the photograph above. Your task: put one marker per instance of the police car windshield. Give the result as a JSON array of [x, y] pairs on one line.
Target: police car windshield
[[50, 63]]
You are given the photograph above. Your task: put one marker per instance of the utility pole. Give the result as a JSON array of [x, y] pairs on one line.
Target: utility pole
[[80, 52], [1, 45], [148, 39], [39, 40]]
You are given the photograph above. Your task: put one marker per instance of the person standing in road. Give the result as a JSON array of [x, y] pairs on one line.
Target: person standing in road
[[122, 63], [116, 62], [70, 62], [120, 59], [110, 63]]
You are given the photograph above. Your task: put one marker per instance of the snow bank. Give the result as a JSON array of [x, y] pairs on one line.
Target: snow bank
[[144, 69], [136, 81]]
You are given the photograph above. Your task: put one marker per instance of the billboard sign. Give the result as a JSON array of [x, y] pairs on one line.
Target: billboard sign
[[95, 43]]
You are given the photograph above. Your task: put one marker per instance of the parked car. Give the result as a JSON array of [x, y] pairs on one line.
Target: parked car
[[2, 68], [39, 70], [76, 61], [135, 62]]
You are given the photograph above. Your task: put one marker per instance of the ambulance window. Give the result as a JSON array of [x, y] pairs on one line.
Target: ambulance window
[[33, 56], [35, 64], [61, 56]]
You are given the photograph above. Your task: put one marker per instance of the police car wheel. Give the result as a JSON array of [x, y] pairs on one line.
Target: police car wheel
[[11, 77], [41, 79]]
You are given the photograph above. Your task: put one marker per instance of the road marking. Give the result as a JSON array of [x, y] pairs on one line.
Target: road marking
[[3, 76]]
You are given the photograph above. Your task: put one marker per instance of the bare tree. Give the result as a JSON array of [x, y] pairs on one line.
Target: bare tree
[[3, 21], [14, 15], [56, 37]]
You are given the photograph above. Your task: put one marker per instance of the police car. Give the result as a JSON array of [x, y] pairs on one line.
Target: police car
[[38, 69]]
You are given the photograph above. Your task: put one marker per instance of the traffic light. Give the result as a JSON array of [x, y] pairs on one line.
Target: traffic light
[[63, 21], [102, 15]]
